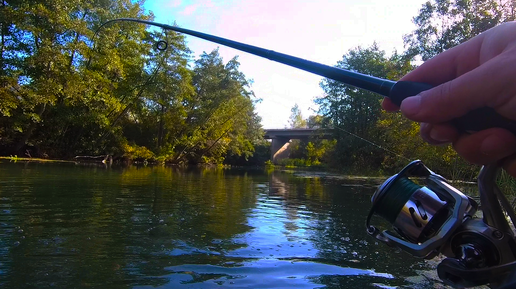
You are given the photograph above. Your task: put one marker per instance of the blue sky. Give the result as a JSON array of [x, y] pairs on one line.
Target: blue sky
[[317, 30]]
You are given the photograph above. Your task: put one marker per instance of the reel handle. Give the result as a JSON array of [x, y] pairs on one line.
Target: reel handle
[[475, 120]]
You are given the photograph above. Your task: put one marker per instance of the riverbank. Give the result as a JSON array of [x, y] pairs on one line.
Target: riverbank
[[16, 158]]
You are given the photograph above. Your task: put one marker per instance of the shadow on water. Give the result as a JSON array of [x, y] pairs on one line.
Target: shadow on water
[[68, 226]]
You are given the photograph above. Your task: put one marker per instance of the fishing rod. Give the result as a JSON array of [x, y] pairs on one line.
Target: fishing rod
[[397, 91], [428, 215]]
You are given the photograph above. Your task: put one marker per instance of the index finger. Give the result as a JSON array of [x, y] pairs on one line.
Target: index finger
[[449, 64], [388, 105]]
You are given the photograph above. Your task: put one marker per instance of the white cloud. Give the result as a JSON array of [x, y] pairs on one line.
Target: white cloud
[[321, 31]]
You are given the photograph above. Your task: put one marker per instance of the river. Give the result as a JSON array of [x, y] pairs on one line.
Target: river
[[76, 226]]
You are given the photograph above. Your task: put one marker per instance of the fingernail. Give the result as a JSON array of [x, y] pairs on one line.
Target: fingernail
[[411, 105], [424, 129]]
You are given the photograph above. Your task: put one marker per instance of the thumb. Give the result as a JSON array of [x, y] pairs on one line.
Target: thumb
[[477, 88]]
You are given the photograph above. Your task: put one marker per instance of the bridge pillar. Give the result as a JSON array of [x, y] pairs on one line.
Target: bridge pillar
[[280, 149]]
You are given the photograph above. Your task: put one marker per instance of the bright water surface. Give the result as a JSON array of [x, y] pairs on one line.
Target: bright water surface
[[72, 226]]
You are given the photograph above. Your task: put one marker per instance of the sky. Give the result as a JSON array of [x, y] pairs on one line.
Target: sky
[[317, 30]]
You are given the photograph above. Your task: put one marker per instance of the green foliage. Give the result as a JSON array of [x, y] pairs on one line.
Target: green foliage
[[313, 154], [135, 152], [442, 24], [296, 118], [293, 162], [354, 113], [370, 138], [260, 157], [507, 185], [300, 163], [65, 90], [315, 121], [402, 136]]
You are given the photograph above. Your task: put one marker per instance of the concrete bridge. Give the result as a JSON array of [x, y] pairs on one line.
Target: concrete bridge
[[281, 139]]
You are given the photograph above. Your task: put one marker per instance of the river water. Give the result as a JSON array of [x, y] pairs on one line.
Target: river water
[[76, 226]]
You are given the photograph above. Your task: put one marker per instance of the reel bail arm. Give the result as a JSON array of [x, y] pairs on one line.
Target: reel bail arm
[[436, 218]]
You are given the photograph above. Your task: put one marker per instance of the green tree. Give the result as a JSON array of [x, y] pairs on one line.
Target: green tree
[[442, 24], [296, 119], [62, 83], [401, 136], [156, 117], [315, 121], [228, 121], [297, 147], [218, 118], [353, 113], [66, 90]]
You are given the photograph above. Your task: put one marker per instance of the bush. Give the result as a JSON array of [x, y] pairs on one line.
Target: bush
[[135, 152]]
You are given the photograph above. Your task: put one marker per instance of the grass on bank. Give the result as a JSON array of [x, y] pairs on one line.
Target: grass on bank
[[297, 163], [507, 184], [16, 158]]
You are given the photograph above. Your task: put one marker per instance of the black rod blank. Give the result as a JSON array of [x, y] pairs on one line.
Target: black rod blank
[[371, 83]]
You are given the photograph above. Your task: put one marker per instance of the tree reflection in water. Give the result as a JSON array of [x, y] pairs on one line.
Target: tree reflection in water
[[72, 226]]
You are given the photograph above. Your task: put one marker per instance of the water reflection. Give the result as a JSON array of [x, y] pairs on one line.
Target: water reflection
[[70, 226]]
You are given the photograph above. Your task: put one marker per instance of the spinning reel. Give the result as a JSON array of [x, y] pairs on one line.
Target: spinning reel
[[430, 217]]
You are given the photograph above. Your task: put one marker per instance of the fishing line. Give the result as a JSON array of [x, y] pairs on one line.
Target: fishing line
[[366, 140], [161, 45], [372, 143]]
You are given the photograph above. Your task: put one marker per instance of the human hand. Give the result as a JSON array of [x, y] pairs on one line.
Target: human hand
[[478, 73]]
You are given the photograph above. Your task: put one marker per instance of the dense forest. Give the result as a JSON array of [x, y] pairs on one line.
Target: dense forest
[[139, 94], [125, 91]]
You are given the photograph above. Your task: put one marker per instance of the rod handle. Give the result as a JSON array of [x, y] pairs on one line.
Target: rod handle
[[475, 120]]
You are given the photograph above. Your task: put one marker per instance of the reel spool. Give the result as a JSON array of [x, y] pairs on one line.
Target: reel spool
[[423, 216], [416, 212]]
